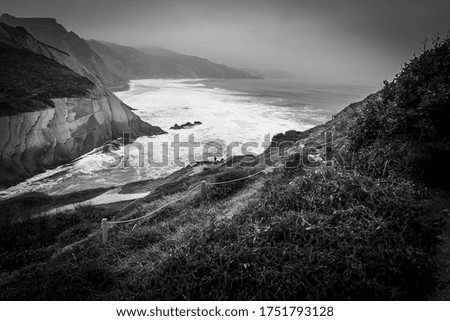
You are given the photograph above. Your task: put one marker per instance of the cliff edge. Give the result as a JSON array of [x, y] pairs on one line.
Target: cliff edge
[[50, 115]]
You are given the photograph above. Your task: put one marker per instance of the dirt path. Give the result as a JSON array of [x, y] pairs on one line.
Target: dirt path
[[111, 196], [239, 201]]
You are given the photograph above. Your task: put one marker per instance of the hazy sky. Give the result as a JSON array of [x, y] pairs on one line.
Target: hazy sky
[[348, 41]]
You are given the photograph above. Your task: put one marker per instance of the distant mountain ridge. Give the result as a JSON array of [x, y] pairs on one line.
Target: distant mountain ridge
[[156, 62], [114, 65], [50, 32], [30, 75], [269, 73]]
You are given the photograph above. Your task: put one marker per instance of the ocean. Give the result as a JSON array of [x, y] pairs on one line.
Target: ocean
[[240, 113]]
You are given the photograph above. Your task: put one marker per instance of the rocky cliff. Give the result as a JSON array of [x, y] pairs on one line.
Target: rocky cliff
[[30, 142], [50, 115], [113, 65], [79, 56]]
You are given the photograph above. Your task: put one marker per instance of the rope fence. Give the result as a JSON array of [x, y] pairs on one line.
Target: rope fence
[[235, 180], [105, 224], [158, 209]]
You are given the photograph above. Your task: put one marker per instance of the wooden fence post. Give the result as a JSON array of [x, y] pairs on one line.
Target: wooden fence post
[[104, 231], [203, 188]]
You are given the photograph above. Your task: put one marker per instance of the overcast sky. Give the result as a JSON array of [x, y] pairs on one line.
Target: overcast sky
[[351, 41]]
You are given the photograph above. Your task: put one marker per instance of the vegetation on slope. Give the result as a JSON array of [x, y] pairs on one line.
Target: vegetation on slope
[[28, 82], [406, 131], [327, 234], [84, 60], [310, 233]]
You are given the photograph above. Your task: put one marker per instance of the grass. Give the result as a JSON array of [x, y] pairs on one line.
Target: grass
[[326, 236], [322, 235], [221, 190], [34, 240], [24, 206], [29, 81], [306, 234]]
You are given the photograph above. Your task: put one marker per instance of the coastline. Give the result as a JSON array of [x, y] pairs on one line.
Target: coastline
[[290, 113]]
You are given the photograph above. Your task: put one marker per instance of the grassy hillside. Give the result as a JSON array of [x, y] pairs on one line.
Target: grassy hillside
[[366, 228], [406, 131], [326, 234], [50, 32]]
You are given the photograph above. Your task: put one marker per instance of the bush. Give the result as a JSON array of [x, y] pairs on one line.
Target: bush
[[405, 128]]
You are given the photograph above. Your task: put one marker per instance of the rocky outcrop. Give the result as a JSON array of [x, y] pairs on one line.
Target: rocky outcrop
[[186, 125], [111, 64], [77, 54], [50, 115], [19, 38], [31, 142], [311, 144]]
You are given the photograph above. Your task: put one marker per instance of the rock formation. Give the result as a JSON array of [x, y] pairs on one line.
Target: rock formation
[[114, 64], [79, 56], [50, 115], [186, 125]]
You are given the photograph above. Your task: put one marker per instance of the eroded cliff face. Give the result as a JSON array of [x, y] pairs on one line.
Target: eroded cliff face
[[19, 38], [53, 110], [34, 141]]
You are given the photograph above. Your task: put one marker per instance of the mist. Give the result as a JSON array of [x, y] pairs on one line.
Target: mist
[[350, 42]]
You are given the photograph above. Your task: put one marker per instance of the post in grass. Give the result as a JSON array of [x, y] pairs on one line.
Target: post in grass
[[203, 188], [104, 231]]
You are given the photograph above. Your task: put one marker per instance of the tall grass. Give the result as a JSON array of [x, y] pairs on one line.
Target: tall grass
[[326, 236]]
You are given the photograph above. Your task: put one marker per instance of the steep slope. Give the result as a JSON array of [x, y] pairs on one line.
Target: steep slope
[[18, 37], [269, 73], [83, 59], [113, 65], [49, 114], [161, 63]]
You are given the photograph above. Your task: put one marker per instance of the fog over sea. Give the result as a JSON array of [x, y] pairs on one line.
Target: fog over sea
[[238, 111]]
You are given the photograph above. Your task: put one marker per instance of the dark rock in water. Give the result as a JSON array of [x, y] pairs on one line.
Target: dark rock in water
[[186, 125], [111, 146]]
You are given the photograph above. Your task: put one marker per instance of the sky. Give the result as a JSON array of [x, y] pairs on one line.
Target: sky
[[344, 41]]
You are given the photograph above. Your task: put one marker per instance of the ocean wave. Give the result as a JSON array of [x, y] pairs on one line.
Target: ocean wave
[[227, 116]]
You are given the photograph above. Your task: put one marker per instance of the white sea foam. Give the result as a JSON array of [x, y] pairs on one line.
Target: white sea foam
[[226, 115]]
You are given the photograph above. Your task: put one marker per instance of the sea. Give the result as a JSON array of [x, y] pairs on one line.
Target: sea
[[237, 117]]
